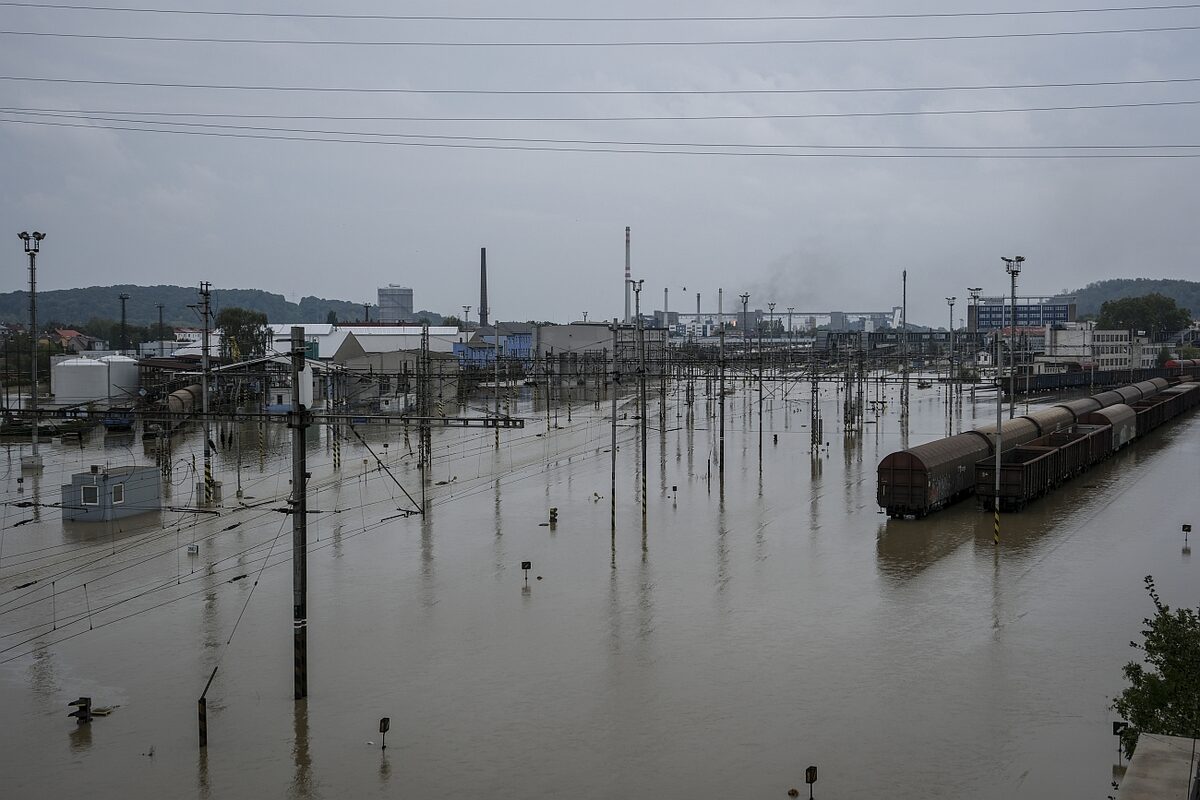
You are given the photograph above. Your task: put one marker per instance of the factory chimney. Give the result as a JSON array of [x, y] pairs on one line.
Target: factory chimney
[[483, 303], [628, 276]]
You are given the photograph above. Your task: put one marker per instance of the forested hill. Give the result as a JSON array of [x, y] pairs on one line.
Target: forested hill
[[76, 306], [1186, 294]]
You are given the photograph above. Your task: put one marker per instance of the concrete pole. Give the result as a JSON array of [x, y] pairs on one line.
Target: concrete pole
[[33, 350], [298, 422], [205, 310], [628, 276]]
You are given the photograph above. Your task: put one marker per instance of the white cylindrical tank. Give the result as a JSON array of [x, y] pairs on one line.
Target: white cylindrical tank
[[122, 378], [80, 380]]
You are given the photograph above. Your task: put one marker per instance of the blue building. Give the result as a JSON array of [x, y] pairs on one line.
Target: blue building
[[516, 344], [994, 312]]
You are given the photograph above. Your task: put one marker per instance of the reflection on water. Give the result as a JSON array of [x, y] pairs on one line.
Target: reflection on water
[[302, 786], [779, 620]]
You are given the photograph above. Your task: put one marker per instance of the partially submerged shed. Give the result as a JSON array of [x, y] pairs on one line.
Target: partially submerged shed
[[103, 494]]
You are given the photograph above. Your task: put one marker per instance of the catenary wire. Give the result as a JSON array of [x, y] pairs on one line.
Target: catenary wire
[[958, 37], [530, 18], [606, 150]]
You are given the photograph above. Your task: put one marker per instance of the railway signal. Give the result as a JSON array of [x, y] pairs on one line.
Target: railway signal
[[82, 714]]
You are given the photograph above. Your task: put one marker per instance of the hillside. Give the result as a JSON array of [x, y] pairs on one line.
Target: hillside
[[76, 306], [1089, 299]]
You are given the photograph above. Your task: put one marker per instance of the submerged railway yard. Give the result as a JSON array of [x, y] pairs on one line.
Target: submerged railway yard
[[711, 637]]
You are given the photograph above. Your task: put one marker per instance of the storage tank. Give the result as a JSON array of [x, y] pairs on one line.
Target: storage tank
[[80, 380], [122, 378]]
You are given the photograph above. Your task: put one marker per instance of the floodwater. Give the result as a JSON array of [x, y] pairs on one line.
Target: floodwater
[[714, 652]]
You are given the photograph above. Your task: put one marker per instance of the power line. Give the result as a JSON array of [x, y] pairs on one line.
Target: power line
[[957, 37], [603, 92], [626, 118], [624, 143], [589, 149], [476, 18]]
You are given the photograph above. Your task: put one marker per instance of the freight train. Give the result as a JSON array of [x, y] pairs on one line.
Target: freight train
[[1038, 451]]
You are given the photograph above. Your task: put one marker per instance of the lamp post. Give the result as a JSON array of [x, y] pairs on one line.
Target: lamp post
[[33, 245], [973, 291], [124, 330], [745, 314], [160, 329], [466, 316], [1013, 267], [366, 312], [789, 330], [950, 365]]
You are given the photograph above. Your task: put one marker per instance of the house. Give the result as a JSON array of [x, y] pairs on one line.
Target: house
[[387, 382], [75, 341], [106, 493]]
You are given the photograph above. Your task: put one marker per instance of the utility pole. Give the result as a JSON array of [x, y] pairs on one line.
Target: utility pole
[[904, 338], [124, 329], [160, 330], [33, 245], [641, 344], [974, 292], [496, 376], [721, 400], [206, 314], [612, 491], [745, 318], [298, 421], [628, 275], [950, 366], [1013, 267]]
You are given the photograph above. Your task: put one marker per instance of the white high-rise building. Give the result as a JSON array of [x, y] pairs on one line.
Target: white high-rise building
[[395, 303]]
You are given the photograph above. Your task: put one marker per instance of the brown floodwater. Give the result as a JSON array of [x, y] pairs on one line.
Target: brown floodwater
[[716, 651]]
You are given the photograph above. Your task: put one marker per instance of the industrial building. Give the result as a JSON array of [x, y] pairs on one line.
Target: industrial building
[[395, 303], [996, 312]]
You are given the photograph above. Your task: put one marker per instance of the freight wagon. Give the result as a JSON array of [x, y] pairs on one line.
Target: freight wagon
[[931, 476]]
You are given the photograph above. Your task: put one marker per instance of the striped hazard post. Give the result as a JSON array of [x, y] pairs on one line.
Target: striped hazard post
[[996, 525], [337, 446]]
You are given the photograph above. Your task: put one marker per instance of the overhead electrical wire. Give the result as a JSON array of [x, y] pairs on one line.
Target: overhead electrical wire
[[949, 37], [626, 118], [602, 92], [530, 18], [459, 145], [628, 143]]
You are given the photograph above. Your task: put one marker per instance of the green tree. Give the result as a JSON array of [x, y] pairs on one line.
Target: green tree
[[1163, 695], [1164, 356], [243, 333], [331, 317], [1153, 313], [452, 321], [1187, 351]]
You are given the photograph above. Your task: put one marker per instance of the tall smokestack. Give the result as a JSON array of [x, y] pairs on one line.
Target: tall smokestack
[[720, 308], [665, 289], [483, 305], [628, 276], [697, 306]]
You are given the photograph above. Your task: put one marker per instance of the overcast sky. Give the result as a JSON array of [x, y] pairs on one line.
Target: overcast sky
[[815, 231]]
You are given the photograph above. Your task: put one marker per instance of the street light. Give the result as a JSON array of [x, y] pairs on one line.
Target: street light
[[950, 366], [974, 292], [745, 314], [466, 316], [1013, 267], [33, 246], [124, 335]]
